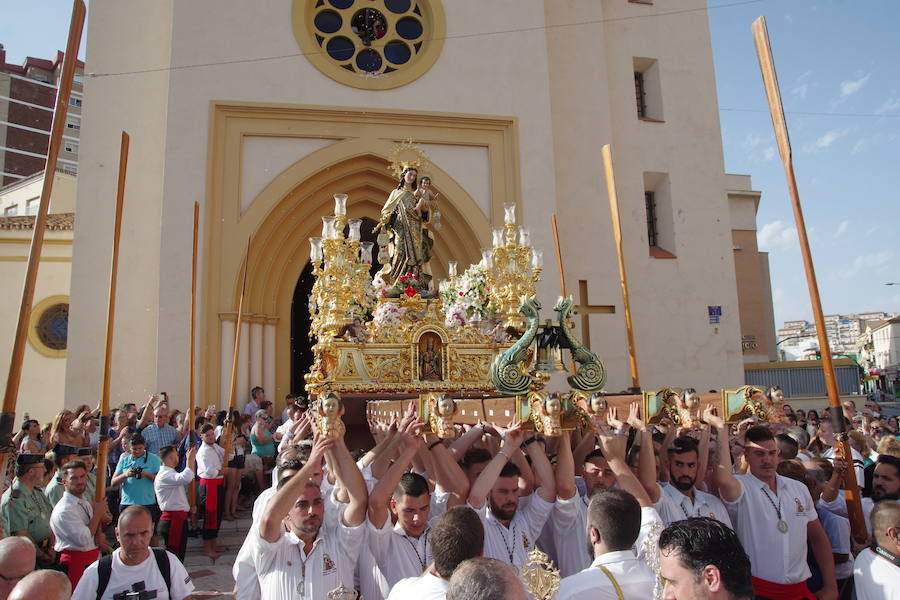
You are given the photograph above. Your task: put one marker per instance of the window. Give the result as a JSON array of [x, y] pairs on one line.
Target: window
[[79, 79], [70, 147], [75, 101], [71, 169], [648, 93], [71, 124], [658, 210], [31, 206], [11, 211]]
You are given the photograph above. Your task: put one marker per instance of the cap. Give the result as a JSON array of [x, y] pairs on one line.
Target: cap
[[63, 450], [85, 451], [30, 459]]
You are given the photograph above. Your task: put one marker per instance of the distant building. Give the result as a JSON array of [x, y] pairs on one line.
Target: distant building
[[27, 99], [797, 340], [879, 354]]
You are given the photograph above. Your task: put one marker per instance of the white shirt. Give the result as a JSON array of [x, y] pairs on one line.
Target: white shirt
[[674, 506], [123, 577], [169, 485], [69, 523], [774, 556], [425, 587], [518, 540], [251, 407], [839, 507], [837, 528], [631, 573], [875, 578], [398, 556], [210, 458], [285, 571], [285, 430]]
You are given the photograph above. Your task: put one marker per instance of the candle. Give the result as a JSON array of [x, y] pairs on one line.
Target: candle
[[315, 249], [451, 268], [509, 213], [340, 205], [498, 237], [354, 229]]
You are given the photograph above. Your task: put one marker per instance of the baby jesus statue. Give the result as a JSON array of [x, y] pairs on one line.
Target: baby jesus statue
[[328, 416]]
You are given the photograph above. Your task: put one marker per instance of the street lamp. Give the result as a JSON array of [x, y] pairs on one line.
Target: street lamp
[[892, 283]]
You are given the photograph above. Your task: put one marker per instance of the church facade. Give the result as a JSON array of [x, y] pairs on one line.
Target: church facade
[[261, 113]]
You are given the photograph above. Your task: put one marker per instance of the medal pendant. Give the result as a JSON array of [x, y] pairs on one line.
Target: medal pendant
[[782, 526], [301, 588]]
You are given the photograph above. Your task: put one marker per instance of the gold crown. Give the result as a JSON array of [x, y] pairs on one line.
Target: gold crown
[[342, 593], [407, 154]]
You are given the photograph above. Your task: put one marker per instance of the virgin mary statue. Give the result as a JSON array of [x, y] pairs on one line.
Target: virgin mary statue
[[405, 216]]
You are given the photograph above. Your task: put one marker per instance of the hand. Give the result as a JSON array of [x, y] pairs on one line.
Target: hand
[[634, 419], [710, 416], [829, 592], [746, 424], [613, 444], [192, 452], [99, 506], [612, 417], [320, 446], [840, 465], [515, 435]]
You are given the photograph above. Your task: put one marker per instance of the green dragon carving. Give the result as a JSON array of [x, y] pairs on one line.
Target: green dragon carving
[[591, 373], [508, 375]]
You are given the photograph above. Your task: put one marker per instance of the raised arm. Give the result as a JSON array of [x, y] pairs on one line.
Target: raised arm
[[351, 479], [271, 524], [613, 444], [585, 446], [482, 487], [147, 415], [543, 471], [447, 472], [565, 468], [729, 486], [461, 445], [384, 489], [702, 455], [646, 458]]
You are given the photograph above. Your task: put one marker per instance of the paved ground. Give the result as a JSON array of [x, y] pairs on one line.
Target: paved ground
[[214, 579]]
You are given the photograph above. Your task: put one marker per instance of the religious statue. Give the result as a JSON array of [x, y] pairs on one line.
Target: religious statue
[[442, 411], [689, 408], [329, 411], [540, 576], [355, 332], [598, 405], [430, 363], [404, 219], [546, 413]]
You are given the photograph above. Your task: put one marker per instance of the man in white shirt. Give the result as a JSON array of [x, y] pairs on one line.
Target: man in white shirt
[[702, 559], [876, 572], [510, 529], [485, 579], [134, 567], [680, 499], [295, 555], [457, 535], [75, 522], [773, 516], [211, 469], [171, 494]]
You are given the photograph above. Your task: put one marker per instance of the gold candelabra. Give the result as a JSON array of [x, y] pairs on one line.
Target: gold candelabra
[[340, 268], [512, 268]]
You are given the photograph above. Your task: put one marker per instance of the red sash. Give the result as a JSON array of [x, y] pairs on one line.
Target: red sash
[[176, 526], [76, 562], [211, 516], [782, 591]]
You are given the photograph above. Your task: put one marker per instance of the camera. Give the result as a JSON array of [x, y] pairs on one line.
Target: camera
[[138, 591], [136, 472]]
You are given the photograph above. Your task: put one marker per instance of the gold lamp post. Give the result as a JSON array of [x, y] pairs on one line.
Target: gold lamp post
[[512, 267], [340, 268]]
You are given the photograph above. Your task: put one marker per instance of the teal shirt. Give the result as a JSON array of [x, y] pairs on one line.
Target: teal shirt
[[24, 510], [262, 449], [138, 491]]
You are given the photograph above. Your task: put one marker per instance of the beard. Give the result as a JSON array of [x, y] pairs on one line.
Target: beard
[[880, 492], [683, 483], [504, 512]]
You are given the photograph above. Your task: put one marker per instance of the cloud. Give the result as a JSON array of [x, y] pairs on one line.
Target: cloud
[[850, 87], [825, 140], [776, 235], [769, 154], [842, 228], [753, 140], [801, 86], [868, 263], [890, 105]]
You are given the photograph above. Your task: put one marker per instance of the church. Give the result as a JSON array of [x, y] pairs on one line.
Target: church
[[262, 112]]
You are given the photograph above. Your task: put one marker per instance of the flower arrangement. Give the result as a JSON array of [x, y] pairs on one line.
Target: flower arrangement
[[388, 314], [410, 285], [364, 304], [467, 298]]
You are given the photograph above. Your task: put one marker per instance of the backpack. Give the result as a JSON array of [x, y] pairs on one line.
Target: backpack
[[104, 570]]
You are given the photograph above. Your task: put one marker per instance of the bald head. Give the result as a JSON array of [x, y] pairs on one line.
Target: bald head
[[16, 561], [886, 524], [43, 585], [485, 579]]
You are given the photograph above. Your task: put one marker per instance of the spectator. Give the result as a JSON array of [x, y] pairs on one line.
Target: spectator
[[17, 558], [43, 585], [485, 579], [876, 572], [136, 471]]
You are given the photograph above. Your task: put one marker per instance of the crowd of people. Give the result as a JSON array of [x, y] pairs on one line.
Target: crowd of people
[[621, 508]]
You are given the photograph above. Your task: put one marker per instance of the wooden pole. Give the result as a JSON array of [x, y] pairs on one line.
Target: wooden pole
[[559, 263], [103, 446], [232, 392], [14, 377], [192, 402], [773, 94], [606, 153]]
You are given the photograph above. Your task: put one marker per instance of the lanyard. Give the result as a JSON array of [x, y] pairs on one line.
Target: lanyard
[[886, 554], [416, 550], [511, 550], [301, 587], [782, 524], [612, 580]]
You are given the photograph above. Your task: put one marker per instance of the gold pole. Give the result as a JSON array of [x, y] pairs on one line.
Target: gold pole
[[559, 263], [773, 94], [103, 446], [232, 392], [192, 488], [13, 379], [606, 153]]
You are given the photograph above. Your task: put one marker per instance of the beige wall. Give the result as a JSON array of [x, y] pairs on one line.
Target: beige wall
[[62, 200], [42, 385], [569, 89]]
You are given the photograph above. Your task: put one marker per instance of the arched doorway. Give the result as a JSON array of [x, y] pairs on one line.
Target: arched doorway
[[301, 344]]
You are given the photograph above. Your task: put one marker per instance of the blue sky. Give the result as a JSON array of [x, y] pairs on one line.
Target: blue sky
[[838, 59]]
